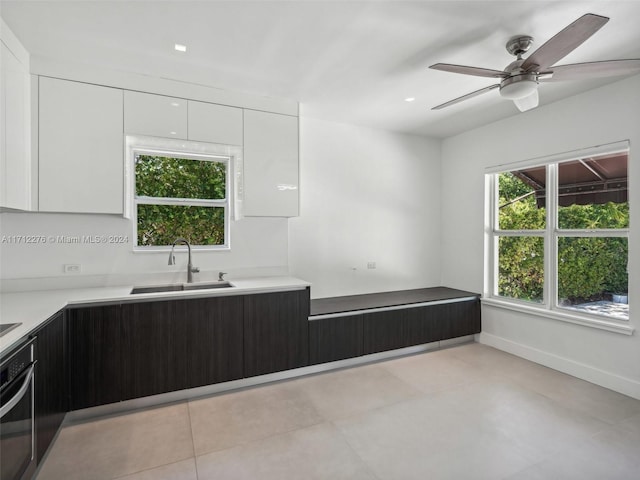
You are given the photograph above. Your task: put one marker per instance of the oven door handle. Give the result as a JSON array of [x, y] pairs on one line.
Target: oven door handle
[[13, 401]]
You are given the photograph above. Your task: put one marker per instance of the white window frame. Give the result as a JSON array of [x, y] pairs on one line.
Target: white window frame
[[549, 306], [229, 155]]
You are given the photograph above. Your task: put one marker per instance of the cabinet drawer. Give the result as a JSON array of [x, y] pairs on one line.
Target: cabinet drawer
[[332, 339], [392, 329]]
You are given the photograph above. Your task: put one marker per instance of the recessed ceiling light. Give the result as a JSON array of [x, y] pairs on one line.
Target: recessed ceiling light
[[180, 48], [174, 104], [409, 99]]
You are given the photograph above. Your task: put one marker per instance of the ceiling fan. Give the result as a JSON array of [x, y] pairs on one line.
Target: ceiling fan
[[519, 80]]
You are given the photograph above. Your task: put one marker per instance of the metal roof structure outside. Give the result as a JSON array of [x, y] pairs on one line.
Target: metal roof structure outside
[[585, 181]]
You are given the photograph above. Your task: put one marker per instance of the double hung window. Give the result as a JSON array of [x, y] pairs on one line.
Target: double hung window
[[180, 195], [558, 233]]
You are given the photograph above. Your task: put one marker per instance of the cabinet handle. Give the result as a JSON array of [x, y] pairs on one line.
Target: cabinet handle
[[13, 401]]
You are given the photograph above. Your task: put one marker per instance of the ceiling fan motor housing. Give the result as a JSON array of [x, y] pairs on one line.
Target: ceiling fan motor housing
[[518, 86], [519, 44]]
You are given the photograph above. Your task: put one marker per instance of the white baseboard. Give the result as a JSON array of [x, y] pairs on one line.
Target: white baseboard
[[626, 386]]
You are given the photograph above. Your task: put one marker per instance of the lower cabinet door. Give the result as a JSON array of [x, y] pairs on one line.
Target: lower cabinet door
[[388, 330], [95, 356], [276, 330], [50, 382], [178, 344], [460, 318], [332, 339], [210, 330], [146, 352]]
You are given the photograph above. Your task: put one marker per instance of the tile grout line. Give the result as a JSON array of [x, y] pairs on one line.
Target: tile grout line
[[353, 450], [193, 440]]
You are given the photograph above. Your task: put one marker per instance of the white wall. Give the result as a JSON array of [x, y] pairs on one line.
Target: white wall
[[366, 196], [608, 114], [257, 245]]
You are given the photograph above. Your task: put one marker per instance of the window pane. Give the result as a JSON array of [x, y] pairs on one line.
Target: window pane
[[521, 268], [590, 271], [592, 193], [162, 224], [180, 178], [522, 199]]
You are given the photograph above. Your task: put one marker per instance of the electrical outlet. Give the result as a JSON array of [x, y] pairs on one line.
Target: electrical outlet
[[72, 268], [371, 265]]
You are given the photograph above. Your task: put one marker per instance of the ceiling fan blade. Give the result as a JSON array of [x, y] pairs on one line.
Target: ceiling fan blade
[[564, 42], [528, 102], [577, 71], [478, 72], [466, 97]]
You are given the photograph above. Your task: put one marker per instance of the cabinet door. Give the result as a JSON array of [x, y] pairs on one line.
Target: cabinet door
[[209, 333], [173, 345], [155, 115], [15, 161], [276, 332], [459, 319], [80, 148], [50, 380], [270, 164], [95, 356], [147, 343], [332, 339], [215, 123], [393, 329]]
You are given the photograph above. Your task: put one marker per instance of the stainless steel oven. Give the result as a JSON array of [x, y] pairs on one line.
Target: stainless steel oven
[[17, 428]]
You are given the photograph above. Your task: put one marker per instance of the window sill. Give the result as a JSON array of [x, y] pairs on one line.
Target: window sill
[[180, 248], [586, 321]]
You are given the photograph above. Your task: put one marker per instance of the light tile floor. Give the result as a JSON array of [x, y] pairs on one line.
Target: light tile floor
[[467, 412]]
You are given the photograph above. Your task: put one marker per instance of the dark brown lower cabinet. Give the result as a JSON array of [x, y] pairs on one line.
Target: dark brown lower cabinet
[[335, 338], [388, 330], [132, 350], [276, 332], [460, 318], [179, 344], [95, 363], [50, 382]]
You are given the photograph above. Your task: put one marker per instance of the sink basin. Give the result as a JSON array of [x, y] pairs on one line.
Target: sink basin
[[205, 286], [179, 287]]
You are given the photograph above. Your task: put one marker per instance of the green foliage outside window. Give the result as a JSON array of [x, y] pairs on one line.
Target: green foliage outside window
[[179, 178], [521, 268], [521, 258], [588, 267]]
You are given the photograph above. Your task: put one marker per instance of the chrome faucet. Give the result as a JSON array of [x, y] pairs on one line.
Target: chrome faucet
[[190, 268]]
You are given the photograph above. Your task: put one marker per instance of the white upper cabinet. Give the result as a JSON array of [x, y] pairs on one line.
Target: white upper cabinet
[[270, 164], [215, 123], [155, 115], [15, 158], [81, 167]]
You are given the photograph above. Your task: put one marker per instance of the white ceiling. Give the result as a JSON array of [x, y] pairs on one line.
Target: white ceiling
[[347, 61]]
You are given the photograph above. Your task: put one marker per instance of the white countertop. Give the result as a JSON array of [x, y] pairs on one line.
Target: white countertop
[[33, 308]]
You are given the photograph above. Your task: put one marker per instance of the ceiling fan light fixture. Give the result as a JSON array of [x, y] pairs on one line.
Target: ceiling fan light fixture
[[518, 86], [527, 103]]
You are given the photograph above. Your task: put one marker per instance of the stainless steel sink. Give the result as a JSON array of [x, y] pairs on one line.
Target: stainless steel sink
[[179, 287], [205, 286]]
